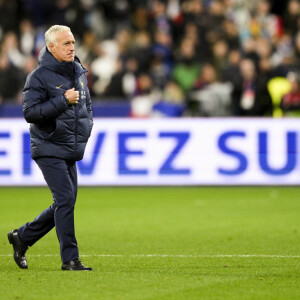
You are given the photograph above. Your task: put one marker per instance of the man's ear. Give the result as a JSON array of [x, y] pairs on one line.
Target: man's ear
[[52, 48]]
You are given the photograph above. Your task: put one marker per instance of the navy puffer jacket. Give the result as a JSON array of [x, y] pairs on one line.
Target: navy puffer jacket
[[57, 129]]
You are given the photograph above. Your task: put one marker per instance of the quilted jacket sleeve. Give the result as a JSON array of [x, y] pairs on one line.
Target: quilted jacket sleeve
[[37, 107]]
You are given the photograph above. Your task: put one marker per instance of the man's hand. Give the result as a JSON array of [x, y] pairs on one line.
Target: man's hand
[[72, 96]]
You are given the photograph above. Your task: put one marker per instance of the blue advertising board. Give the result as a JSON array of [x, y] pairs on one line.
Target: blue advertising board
[[188, 151]]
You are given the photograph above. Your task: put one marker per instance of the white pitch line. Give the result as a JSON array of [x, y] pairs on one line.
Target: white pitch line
[[196, 256], [171, 255]]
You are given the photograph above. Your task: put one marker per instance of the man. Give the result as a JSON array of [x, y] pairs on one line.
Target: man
[[57, 103]]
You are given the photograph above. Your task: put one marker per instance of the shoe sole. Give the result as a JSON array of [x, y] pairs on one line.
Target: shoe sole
[[76, 270]]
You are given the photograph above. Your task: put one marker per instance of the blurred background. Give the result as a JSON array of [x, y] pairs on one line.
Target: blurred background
[[164, 58]]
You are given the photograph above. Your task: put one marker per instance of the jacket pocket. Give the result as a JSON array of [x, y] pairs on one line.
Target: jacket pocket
[[58, 135], [40, 134]]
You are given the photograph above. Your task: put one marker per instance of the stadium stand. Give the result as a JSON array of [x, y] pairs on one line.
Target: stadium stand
[[159, 58]]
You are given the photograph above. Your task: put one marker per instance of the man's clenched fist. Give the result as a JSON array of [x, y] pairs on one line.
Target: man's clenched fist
[[72, 96]]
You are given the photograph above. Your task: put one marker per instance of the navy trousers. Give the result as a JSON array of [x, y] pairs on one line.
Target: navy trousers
[[61, 177]]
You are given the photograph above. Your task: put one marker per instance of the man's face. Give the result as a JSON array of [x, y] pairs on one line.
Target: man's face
[[64, 48]]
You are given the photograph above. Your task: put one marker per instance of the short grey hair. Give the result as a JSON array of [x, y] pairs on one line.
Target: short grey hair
[[50, 35]]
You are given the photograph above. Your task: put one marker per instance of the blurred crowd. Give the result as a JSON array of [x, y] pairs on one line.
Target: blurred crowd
[[166, 57]]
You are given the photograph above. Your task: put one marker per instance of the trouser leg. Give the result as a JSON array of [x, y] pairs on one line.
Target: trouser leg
[[61, 177], [31, 232]]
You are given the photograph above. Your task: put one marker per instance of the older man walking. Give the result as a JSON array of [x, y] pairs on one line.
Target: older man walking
[[57, 103]]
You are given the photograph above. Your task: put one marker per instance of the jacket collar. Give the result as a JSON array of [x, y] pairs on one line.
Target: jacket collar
[[47, 60]]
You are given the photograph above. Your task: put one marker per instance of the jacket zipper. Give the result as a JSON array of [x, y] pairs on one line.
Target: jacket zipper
[[76, 110], [76, 118]]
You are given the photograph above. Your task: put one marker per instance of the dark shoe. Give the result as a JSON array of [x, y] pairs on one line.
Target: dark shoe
[[19, 249], [75, 265]]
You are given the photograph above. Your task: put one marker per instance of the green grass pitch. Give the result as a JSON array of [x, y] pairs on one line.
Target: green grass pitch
[[161, 243]]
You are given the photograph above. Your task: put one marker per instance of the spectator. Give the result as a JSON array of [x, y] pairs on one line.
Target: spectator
[[290, 103], [141, 49], [29, 65], [159, 18], [187, 69], [231, 72], [10, 80], [215, 21], [283, 50], [10, 46], [173, 9], [123, 83], [231, 35], [172, 93], [291, 17], [8, 16], [251, 96], [249, 50], [140, 20], [86, 47], [105, 65], [296, 48], [265, 70], [27, 36], [209, 97], [268, 25], [220, 51], [161, 62], [142, 103]]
